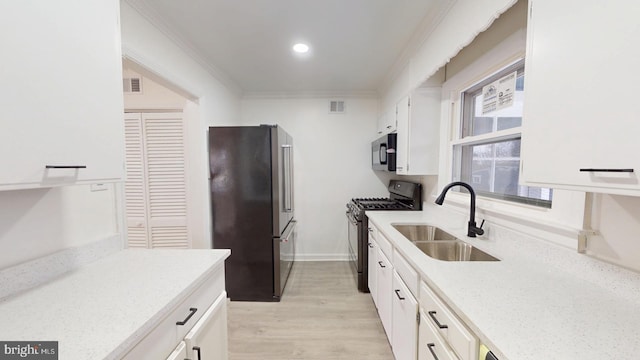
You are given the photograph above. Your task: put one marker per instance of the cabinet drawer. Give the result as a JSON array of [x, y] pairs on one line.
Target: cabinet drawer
[[406, 272], [384, 245], [461, 340], [430, 344], [162, 340]]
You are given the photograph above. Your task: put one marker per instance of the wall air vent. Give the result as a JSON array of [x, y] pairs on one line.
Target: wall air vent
[[132, 85], [336, 107]]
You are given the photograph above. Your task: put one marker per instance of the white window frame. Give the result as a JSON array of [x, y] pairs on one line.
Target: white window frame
[[557, 224]]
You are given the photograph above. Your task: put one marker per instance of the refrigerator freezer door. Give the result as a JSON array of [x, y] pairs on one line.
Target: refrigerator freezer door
[[284, 256]]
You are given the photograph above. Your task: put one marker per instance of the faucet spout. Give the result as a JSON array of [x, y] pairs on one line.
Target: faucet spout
[[472, 229]]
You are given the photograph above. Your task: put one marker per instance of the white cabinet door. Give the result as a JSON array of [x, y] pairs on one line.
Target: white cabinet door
[[384, 290], [402, 146], [387, 122], [430, 345], [207, 340], [180, 353], [372, 270], [580, 96], [61, 86], [405, 323], [418, 129]]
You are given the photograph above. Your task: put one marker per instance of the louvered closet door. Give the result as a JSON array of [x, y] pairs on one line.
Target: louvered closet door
[[164, 140], [135, 184], [156, 193]]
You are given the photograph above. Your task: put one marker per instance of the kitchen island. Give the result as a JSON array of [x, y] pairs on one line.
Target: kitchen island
[[540, 300], [104, 309]]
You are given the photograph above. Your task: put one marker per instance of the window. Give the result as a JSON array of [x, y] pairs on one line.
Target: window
[[487, 151]]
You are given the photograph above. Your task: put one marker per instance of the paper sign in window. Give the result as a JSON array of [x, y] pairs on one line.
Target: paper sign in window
[[499, 94]]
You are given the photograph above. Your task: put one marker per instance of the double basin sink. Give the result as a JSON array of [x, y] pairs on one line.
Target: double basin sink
[[440, 245]]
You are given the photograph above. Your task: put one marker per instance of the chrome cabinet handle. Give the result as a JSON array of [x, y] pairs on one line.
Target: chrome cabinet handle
[[397, 291], [433, 353], [380, 263], [607, 170], [432, 315], [192, 311]]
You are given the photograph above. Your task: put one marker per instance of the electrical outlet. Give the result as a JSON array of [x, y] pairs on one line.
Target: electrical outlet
[[98, 187]]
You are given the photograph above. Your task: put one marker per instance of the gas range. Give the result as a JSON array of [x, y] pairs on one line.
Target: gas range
[[357, 206], [403, 195]]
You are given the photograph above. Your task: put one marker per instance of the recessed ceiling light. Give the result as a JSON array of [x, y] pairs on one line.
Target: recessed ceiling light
[[301, 48]]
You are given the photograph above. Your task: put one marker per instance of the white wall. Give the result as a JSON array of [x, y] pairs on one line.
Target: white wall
[[218, 104], [154, 96], [332, 165], [39, 222], [617, 220]]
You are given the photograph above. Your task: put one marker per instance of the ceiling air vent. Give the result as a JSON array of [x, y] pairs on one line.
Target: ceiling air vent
[[132, 85], [336, 107]]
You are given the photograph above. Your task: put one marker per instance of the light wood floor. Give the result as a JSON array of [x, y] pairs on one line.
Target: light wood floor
[[322, 316]]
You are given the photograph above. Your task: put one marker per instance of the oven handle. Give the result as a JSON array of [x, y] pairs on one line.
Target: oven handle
[[351, 219]]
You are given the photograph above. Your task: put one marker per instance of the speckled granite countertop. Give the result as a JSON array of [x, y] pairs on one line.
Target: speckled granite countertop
[[541, 301], [101, 309]]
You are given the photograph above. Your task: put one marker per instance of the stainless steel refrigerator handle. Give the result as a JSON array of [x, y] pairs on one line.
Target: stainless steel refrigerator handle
[[286, 155]]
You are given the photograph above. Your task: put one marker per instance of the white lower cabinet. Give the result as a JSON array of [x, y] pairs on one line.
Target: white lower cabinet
[[372, 272], [180, 353], [447, 325], [200, 320], [405, 323], [207, 340], [384, 292], [430, 344]]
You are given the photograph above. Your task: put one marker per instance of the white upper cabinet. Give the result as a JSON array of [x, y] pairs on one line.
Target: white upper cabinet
[[61, 84], [387, 122], [418, 132], [580, 126]]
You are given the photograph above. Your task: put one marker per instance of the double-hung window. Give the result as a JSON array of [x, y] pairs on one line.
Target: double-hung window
[[486, 154]]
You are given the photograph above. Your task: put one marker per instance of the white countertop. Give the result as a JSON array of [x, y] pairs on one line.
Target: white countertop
[[101, 309], [539, 301]]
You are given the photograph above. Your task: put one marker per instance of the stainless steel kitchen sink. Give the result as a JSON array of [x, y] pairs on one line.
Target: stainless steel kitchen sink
[[455, 250], [441, 245], [423, 232]]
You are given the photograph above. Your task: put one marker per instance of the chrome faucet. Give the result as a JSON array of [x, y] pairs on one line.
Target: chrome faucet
[[472, 229]]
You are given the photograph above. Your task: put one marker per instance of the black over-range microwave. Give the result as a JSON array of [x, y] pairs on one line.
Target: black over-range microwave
[[383, 153]]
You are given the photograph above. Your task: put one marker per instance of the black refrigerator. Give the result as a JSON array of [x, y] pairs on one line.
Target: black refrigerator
[[251, 185]]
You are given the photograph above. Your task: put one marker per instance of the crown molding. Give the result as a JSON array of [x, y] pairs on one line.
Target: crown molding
[[147, 12], [426, 27]]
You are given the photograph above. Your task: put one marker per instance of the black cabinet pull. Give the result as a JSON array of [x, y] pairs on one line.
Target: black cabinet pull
[[433, 353], [380, 263], [65, 166], [607, 170], [371, 245], [398, 294], [197, 349], [192, 311], [432, 315]]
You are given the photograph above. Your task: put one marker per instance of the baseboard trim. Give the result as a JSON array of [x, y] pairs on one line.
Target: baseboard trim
[[322, 257]]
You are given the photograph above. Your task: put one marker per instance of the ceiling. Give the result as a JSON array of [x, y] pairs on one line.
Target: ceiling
[[356, 45]]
